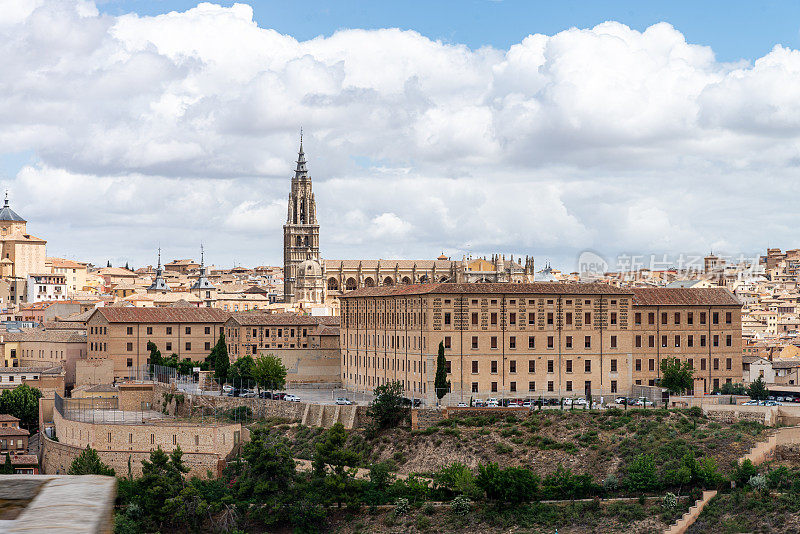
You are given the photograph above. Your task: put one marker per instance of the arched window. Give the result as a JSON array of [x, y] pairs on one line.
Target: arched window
[[351, 284], [333, 284], [406, 280], [369, 282], [388, 281], [305, 241]]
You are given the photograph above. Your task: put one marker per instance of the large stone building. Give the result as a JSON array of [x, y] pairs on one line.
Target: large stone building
[[309, 279], [121, 334], [308, 346], [20, 253], [534, 339]]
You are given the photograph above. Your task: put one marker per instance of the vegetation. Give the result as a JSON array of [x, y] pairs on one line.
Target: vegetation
[[218, 359], [676, 377], [89, 463], [241, 371], [23, 403], [441, 383], [388, 409], [729, 388], [7, 468], [757, 390], [269, 372]]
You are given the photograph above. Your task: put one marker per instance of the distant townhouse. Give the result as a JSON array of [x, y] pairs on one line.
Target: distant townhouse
[[46, 286]]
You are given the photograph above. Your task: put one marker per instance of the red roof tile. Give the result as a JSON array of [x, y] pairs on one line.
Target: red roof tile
[[161, 315], [539, 288], [669, 296]]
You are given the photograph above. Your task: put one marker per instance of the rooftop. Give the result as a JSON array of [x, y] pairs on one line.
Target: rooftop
[[669, 296], [280, 319], [539, 288], [161, 315]]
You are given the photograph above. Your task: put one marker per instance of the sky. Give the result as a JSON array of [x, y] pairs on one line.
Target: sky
[[474, 127]]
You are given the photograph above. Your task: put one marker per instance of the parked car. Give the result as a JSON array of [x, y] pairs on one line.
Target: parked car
[[513, 404], [751, 403], [344, 401], [579, 402], [233, 392], [416, 403], [291, 398], [621, 400], [772, 403], [248, 394], [462, 405], [527, 404], [227, 387], [492, 403]]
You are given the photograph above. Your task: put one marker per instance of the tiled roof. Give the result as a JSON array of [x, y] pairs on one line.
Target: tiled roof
[[64, 263], [64, 325], [668, 296], [9, 431], [49, 370], [162, 315], [4, 417], [279, 319], [538, 288], [24, 459], [54, 336], [388, 265]]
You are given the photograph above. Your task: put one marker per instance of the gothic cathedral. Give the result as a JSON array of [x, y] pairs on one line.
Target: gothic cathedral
[[303, 274]]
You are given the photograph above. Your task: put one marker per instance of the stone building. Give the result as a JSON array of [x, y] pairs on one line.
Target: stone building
[[121, 334], [20, 253], [531, 339], [308, 346], [35, 348], [302, 270], [201, 287]]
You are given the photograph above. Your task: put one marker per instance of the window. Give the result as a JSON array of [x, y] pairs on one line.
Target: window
[[613, 366], [587, 318], [494, 367], [168, 346], [587, 342], [531, 342], [447, 342], [716, 340], [446, 317], [130, 362], [169, 330], [613, 342], [613, 317], [663, 317], [531, 318], [474, 342], [207, 346], [189, 346], [493, 318], [703, 365], [447, 367], [569, 385], [493, 342], [690, 341], [474, 367], [728, 317], [549, 317], [651, 364], [637, 318], [531, 386], [188, 329], [474, 387], [549, 366], [716, 364], [715, 317], [512, 386], [638, 341], [149, 330], [531, 366], [130, 330], [550, 342], [691, 363], [474, 317], [689, 317], [207, 330], [512, 366], [549, 385], [728, 364], [568, 318], [512, 318], [512, 342], [587, 366], [677, 341], [651, 318], [677, 317], [613, 386], [494, 387], [568, 342], [568, 364], [130, 347], [702, 317], [663, 341], [638, 365], [703, 340], [728, 340]]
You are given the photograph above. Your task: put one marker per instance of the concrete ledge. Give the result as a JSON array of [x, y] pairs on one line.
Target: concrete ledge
[[63, 505]]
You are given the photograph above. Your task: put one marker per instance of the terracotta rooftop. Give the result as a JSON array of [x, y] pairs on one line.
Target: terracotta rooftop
[[13, 431], [668, 296], [161, 315], [538, 288], [4, 417], [55, 336], [280, 319]]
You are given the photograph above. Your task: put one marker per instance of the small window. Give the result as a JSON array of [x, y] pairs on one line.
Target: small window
[[474, 367], [613, 366], [587, 366], [549, 366], [494, 342], [531, 366], [447, 342]]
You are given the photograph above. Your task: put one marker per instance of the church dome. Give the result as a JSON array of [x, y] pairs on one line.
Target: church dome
[[7, 214], [309, 269]]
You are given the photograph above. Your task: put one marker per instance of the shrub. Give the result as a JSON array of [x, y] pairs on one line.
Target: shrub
[[744, 472], [512, 484], [670, 501], [401, 506], [642, 473], [458, 479], [611, 483], [758, 482], [461, 505]]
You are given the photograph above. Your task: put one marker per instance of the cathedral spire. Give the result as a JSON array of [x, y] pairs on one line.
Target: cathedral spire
[[158, 284], [301, 171]]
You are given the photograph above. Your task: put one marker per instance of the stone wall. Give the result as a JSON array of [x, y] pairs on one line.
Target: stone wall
[[56, 457], [94, 372], [135, 397], [426, 417], [733, 414]]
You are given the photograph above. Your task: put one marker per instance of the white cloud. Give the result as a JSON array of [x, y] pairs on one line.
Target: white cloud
[[184, 127]]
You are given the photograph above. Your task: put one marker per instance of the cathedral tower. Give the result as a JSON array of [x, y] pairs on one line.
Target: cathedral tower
[[300, 233]]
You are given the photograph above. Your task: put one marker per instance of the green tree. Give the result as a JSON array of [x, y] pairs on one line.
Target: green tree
[[155, 354], [332, 459], [218, 359], [676, 377], [22, 402], [241, 371], [88, 463], [186, 366], [510, 485], [7, 467], [269, 372], [729, 388], [642, 473], [441, 383], [161, 480], [388, 409], [758, 390]]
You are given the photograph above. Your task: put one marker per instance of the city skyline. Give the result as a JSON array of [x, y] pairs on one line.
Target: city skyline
[[612, 138]]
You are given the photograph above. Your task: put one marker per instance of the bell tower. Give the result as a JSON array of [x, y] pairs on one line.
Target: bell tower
[[301, 231]]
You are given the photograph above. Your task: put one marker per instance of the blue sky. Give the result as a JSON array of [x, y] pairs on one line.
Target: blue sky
[[735, 29]]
